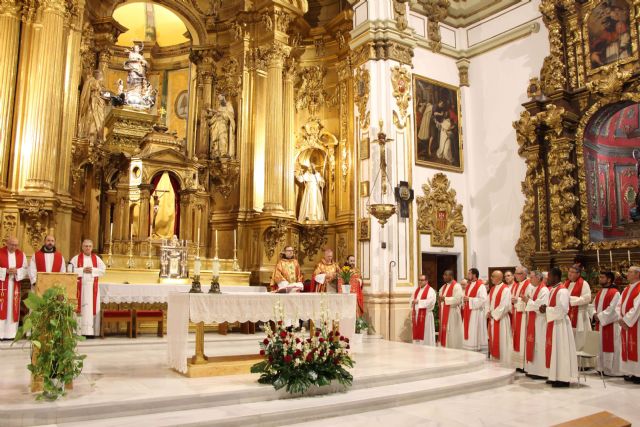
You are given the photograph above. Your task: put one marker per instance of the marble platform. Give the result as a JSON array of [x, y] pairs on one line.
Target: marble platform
[[128, 383]]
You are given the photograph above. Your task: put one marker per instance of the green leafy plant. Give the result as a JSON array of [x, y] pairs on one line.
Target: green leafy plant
[[362, 325], [51, 327]]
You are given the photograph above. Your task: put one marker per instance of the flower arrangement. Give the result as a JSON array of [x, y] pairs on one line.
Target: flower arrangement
[[345, 274], [297, 361], [362, 326]]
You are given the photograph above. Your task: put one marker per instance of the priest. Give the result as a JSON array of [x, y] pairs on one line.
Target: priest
[[498, 308], [520, 288], [356, 284], [475, 328], [325, 275], [629, 309], [560, 351], [287, 273], [451, 299], [579, 299], [46, 260], [536, 300], [607, 317], [422, 304], [88, 267], [13, 268]]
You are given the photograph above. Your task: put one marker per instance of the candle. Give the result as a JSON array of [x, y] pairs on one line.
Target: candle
[[196, 267], [131, 234], [598, 255], [629, 256], [611, 258], [111, 233], [215, 270], [216, 242], [198, 236], [234, 239]]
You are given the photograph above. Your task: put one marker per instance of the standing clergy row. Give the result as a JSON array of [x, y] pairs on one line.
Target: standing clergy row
[[14, 268]]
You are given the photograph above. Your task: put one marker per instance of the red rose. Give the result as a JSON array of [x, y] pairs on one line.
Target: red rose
[[283, 334], [341, 338], [279, 322], [309, 357], [265, 341], [346, 340], [337, 333], [317, 333], [287, 359], [321, 340], [321, 354], [261, 352], [336, 361], [309, 340], [297, 340], [270, 359], [348, 346]]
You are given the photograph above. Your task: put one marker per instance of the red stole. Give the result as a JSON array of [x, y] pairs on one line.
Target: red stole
[[444, 314], [577, 292], [4, 285], [517, 320], [629, 337], [607, 330], [418, 320], [41, 265], [531, 327], [466, 311], [495, 336], [549, 340], [94, 261]]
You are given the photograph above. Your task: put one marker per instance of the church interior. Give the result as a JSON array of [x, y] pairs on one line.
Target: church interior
[[235, 168]]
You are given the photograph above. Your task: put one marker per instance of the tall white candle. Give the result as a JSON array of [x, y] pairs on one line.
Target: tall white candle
[[111, 233], [611, 258], [216, 242], [198, 236], [234, 239], [196, 267], [598, 255], [131, 234], [629, 256]]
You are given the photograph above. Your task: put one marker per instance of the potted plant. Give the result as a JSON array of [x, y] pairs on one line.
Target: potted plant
[[51, 327], [362, 329], [345, 274]]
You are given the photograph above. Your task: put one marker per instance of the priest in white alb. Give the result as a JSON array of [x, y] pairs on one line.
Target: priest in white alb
[[451, 297], [579, 299], [605, 307], [498, 309], [536, 301], [474, 336], [422, 304], [629, 309], [521, 286], [560, 352], [88, 267], [13, 268], [46, 260]]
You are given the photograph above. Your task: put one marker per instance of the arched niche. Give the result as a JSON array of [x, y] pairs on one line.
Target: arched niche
[[164, 205]]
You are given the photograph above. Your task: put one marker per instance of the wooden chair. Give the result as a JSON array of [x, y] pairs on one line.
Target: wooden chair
[[141, 316], [108, 317]]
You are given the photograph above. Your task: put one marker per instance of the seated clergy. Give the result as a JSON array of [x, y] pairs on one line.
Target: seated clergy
[[498, 308], [326, 273], [536, 300], [287, 276], [422, 304]]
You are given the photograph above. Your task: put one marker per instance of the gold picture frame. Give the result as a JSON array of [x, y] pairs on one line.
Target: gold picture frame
[[364, 146], [435, 100], [364, 229], [364, 189]]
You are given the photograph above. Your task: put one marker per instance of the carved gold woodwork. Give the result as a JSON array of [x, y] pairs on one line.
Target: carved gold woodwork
[[401, 84], [436, 11], [225, 173], [36, 218], [439, 213], [400, 12], [9, 225], [361, 95], [311, 94], [312, 239], [274, 236]]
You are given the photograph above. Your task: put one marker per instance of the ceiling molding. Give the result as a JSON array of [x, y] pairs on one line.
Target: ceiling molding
[[467, 12]]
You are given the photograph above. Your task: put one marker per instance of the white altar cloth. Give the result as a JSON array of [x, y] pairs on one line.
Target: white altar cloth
[[249, 307], [156, 292]]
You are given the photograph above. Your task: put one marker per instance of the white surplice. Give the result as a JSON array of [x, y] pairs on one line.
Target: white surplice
[[582, 302], [48, 262], [88, 323], [454, 324], [630, 318], [500, 311], [564, 362], [517, 357], [429, 325], [538, 366], [609, 363], [477, 340], [9, 327]]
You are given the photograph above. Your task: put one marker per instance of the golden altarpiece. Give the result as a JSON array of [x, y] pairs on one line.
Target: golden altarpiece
[[578, 136]]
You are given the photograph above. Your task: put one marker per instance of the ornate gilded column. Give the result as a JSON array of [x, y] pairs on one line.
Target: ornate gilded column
[[9, 42], [145, 192], [273, 197], [289, 139], [246, 142]]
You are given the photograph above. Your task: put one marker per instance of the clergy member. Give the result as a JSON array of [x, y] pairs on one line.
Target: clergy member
[[475, 328], [607, 317], [629, 309], [286, 273], [46, 260], [521, 287], [356, 284], [451, 298], [536, 300], [88, 267], [422, 304], [498, 308], [326, 273], [579, 299], [13, 268], [560, 351]]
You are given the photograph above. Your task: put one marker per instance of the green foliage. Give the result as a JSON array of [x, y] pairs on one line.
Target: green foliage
[[363, 326], [51, 327]]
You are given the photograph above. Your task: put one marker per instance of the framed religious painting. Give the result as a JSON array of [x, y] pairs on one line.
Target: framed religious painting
[[611, 35], [437, 127]]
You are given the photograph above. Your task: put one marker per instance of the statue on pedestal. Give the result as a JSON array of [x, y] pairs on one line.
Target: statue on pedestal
[[93, 102], [222, 130], [139, 93], [311, 208]]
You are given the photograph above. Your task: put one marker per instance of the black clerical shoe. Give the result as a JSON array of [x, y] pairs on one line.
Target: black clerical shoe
[[628, 378], [635, 380], [536, 377], [560, 384], [520, 370], [550, 382]]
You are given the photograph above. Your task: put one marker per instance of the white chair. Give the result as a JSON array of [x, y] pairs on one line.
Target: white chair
[[589, 353]]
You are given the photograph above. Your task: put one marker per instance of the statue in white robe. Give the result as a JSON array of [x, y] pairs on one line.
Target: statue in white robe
[[535, 328], [222, 130], [311, 208], [88, 323]]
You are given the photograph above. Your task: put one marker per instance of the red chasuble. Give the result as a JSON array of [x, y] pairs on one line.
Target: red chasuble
[[94, 261], [4, 286], [577, 292], [629, 337], [444, 314], [418, 321], [531, 327], [495, 335], [517, 318], [549, 339], [607, 330], [466, 311], [41, 265]]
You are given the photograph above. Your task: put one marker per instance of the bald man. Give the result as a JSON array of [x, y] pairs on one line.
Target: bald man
[[498, 309], [46, 260], [13, 268], [88, 267]]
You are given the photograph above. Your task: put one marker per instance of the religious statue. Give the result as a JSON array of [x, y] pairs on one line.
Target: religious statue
[[93, 101], [139, 93], [222, 130], [311, 208]]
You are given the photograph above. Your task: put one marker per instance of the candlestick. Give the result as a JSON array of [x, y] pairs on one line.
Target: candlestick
[[216, 243], [196, 267]]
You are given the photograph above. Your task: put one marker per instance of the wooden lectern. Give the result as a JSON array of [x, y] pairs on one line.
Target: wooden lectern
[[66, 281]]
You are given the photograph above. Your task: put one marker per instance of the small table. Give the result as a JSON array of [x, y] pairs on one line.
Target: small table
[[242, 307]]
